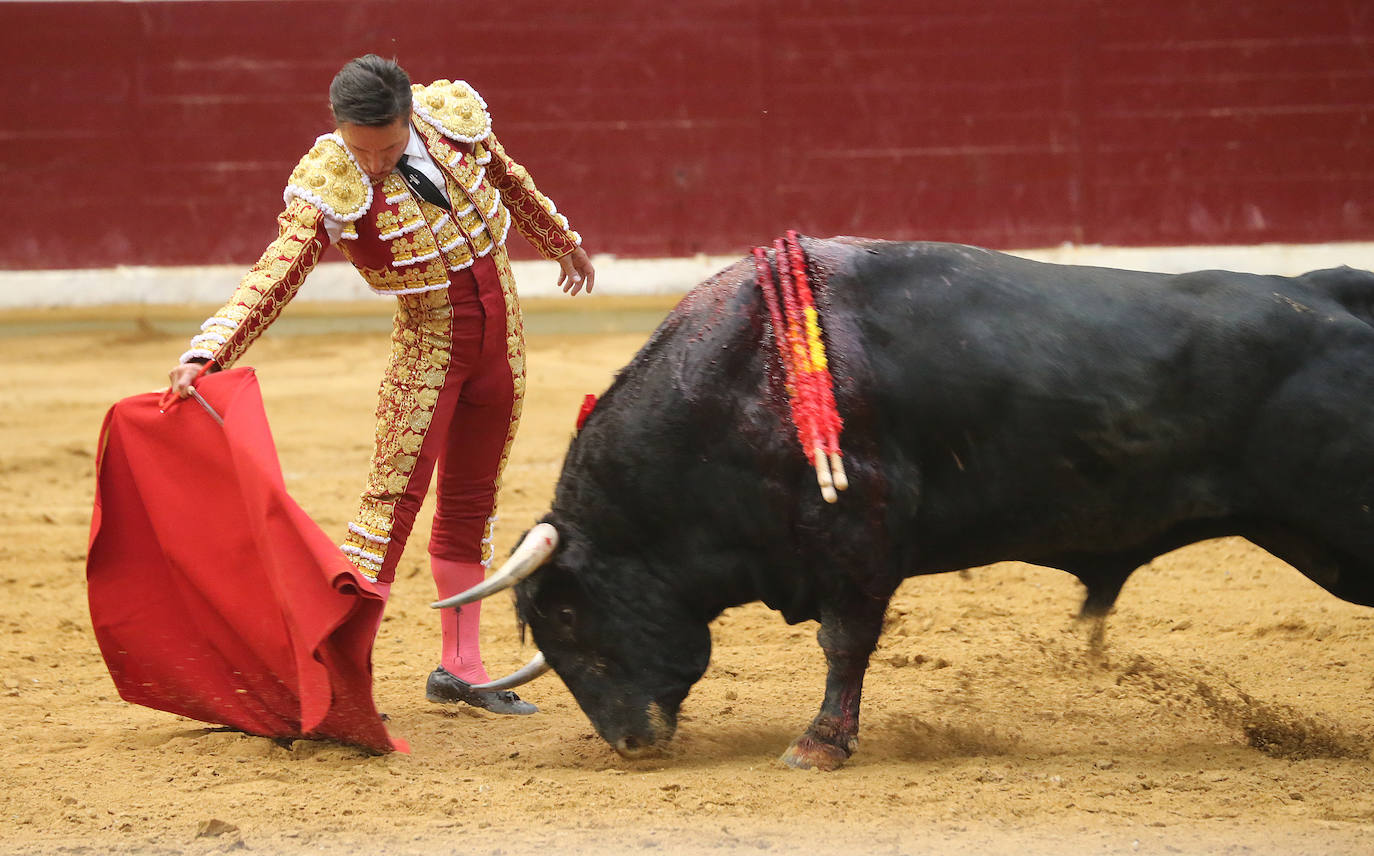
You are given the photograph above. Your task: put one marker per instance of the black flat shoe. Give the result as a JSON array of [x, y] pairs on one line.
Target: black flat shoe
[[443, 688]]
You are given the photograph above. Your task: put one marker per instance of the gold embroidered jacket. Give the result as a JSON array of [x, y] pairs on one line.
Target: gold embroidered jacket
[[400, 243]]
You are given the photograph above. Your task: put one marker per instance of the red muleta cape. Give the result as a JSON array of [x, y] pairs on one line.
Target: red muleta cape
[[213, 595]]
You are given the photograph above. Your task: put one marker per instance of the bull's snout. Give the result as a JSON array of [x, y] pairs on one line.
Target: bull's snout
[[651, 738], [632, 747]]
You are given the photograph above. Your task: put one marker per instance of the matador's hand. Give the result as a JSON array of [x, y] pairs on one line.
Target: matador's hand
[[182, 376], [577, 271]]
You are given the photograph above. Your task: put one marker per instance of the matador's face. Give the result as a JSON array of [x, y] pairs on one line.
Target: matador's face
[[377, 148]]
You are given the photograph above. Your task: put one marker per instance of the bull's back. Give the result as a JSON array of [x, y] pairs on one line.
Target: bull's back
[[1046, 406]]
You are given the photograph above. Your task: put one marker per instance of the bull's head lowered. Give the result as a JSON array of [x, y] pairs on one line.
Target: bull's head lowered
[[629, 657]]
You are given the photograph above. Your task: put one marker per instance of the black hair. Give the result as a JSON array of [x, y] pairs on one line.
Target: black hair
[[370, 91]]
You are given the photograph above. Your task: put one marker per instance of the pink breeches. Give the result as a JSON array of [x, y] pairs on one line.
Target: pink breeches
[[447, 400]]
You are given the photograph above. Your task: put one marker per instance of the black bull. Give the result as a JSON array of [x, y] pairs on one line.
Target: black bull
[[995, 408]]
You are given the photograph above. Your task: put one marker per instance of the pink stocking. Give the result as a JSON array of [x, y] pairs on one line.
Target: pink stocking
[[460, 652]]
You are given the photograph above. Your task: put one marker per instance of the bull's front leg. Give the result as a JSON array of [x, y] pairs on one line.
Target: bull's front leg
[[847, 637]]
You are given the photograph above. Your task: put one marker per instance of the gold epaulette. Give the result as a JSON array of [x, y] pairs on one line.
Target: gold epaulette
[[454, 108], [329, 178]]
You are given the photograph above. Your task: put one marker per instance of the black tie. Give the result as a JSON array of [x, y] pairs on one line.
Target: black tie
[[420, 183]]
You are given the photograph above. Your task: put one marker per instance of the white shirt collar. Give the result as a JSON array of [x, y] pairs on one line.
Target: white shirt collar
[[415, 146]]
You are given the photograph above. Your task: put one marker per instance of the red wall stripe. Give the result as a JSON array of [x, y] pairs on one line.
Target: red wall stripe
[[162, 132]]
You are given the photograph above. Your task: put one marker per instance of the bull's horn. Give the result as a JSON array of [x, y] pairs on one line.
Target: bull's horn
[[526, 673], [538, 545]]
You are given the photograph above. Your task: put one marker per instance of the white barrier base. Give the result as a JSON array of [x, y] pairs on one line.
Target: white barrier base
[[336, 281]]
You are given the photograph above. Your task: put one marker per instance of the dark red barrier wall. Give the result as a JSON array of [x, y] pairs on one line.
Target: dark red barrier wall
[[162, 133]]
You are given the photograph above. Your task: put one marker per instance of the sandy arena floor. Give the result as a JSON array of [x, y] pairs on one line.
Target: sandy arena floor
[[1229, 712]]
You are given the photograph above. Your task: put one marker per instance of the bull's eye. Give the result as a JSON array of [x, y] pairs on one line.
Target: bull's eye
[[566, 616]]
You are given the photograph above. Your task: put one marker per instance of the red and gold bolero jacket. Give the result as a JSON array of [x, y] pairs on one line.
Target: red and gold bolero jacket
[[400, 243]]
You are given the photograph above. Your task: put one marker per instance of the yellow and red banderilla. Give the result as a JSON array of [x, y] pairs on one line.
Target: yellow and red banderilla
[[797, 334]]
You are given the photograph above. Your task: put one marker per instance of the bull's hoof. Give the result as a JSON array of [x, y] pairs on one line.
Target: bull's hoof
[[808, 753]]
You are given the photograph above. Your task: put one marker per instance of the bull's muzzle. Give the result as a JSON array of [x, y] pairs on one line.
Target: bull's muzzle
[[650, 742], [632, 748]]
